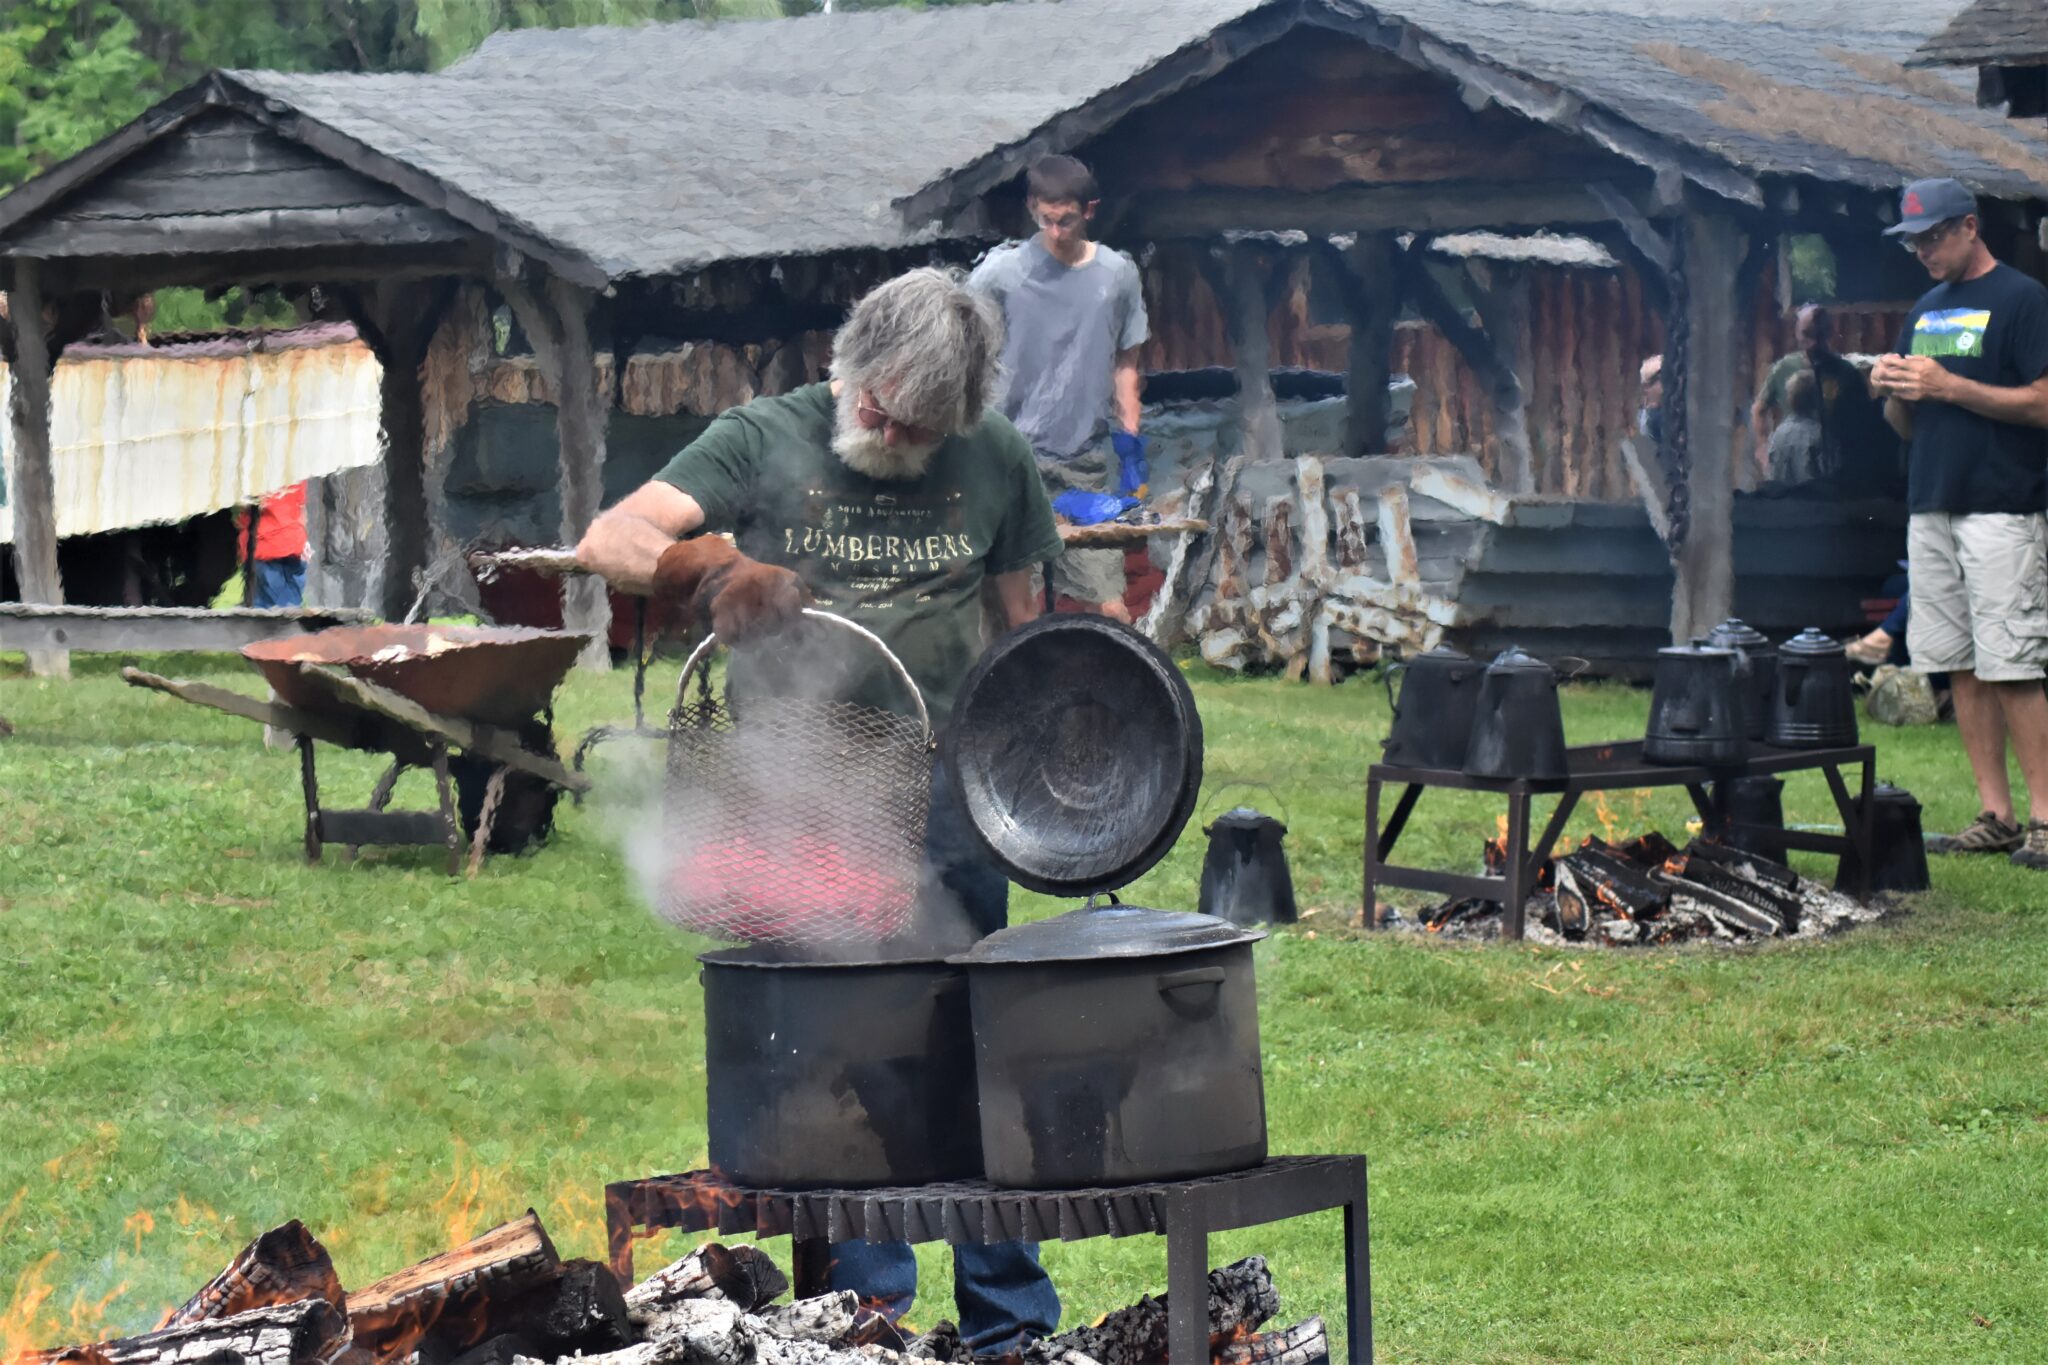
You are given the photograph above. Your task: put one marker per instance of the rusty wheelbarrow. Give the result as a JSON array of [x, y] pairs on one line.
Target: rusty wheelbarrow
[[472, 704]]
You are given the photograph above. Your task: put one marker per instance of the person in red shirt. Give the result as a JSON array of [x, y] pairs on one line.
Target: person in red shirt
[[278, 578]]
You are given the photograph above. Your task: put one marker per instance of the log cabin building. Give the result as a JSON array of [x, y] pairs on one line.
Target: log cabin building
[[570, 239]]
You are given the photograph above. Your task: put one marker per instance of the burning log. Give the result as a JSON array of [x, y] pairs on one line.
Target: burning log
[[309, 1332], [284, 1265], [582, 1311], [1241, 1297], [391, 1317], [1305, 1343], [743, 1275]]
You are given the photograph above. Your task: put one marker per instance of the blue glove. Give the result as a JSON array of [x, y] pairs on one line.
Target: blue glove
[[1083, 508], [1131, 463]]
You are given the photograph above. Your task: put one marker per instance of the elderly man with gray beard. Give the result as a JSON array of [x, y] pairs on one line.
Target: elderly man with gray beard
[[888, 495]]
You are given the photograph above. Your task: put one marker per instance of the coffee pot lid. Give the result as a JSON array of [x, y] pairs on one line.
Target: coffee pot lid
[[1514, 659], [1811, 643], [1244, 817], [1735, 631]]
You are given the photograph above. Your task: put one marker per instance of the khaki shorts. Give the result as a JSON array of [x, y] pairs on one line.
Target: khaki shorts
[[1980, 594], [1084, 575]]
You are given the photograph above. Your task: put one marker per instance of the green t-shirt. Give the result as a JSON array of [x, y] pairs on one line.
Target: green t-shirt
[[905, 558]]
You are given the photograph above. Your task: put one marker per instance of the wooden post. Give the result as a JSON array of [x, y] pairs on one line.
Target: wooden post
[[35, 482], [1715, 247], [1501, 292], [396, 319], [557, 322], [1494, 357], [1369, 277], [1247, 289]]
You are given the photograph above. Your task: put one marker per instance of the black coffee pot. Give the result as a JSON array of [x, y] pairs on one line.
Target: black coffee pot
[[1697, 709], [1760, 666], [1433, 719], [1244, 874], [1519, 729], [1898, 849], [1812, 704]]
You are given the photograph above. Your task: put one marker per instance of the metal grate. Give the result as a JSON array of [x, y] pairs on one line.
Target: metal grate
[[971, 1211]]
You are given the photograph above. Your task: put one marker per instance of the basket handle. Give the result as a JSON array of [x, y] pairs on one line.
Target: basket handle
[[699, 656]]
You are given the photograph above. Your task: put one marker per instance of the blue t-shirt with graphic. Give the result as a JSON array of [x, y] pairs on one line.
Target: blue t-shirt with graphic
[[1993, 329]]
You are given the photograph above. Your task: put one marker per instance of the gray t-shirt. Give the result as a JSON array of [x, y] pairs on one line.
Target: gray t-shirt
[[1065, 325]]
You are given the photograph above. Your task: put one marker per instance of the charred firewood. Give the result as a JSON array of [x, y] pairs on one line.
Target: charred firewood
[[1730, 911], [1736, 860], [1305, 1343], [284, 1265], [716, 1332], [942, 1343], [309, 1332], [580, 1312], [1571, 914], [1241, 1297], [743, 1275], [1780, 908], [453, 1295], [1618, 886], [834, 1319]]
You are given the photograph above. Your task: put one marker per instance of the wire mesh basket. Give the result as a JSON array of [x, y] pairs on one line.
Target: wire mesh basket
[[790, 820]]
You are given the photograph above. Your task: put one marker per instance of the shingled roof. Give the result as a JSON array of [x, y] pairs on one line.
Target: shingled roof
[[657, 150], [1991, 33]]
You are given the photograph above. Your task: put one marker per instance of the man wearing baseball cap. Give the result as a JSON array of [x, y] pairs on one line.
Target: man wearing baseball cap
[[1969, 393]]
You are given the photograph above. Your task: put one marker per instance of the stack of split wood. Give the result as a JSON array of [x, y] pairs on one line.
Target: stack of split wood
[[506, 1298], [1320, 578]]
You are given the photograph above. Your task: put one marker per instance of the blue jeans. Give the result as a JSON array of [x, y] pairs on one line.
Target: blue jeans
[[280, 583], [1003, 1296]]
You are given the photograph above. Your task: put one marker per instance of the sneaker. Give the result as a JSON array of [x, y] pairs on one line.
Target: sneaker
[[2034, 852], [1870, 651], [1986, 834]]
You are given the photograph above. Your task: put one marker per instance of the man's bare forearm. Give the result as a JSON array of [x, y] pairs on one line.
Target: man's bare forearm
[[1014, 596], [623, 548], [1898, 415], [1130, 410], [2025, 406]]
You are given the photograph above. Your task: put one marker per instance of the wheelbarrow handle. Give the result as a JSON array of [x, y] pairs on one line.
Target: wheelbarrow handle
[[700, 655]]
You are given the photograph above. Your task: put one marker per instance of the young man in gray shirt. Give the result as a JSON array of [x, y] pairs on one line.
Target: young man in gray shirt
[[1074, 313]]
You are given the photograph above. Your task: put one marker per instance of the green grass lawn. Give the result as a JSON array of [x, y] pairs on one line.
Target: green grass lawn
[[1835, 1151]]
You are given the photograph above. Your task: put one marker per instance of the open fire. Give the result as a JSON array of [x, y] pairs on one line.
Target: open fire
[[507, 1298], [1647, 891]]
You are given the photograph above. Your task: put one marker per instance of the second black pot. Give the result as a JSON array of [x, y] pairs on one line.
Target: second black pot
[[824, 1074], [1116, 1046]]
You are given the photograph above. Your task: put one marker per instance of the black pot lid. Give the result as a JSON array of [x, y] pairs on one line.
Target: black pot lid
[[1078, 752], [1244, 817], [1740, 634], [1812, 644], [1514, 659], [1097, 933]]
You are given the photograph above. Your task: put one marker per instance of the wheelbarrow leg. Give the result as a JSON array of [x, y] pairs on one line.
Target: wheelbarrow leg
[[450, 823], [487, 818], [311, 785]]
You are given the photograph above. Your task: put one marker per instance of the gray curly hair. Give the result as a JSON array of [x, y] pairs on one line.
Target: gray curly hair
[[927, 347]]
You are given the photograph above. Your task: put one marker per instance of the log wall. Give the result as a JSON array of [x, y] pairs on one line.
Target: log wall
[[1588, 335]]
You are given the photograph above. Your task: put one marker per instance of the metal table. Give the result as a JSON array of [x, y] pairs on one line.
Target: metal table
[[964, 1212], [1603, 767]]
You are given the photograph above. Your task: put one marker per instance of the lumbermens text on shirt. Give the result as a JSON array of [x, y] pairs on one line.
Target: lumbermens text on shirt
[[905, 555]]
